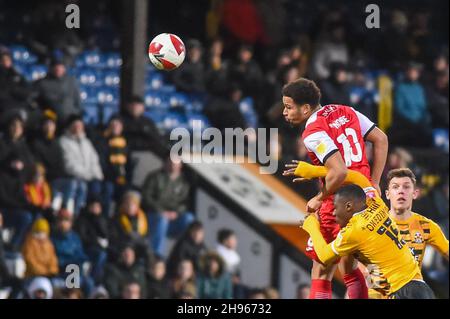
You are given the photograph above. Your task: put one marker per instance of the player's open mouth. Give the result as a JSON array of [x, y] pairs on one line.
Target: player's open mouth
[[401, 200]]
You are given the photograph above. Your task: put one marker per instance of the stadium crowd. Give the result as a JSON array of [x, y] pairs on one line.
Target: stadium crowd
[[66, 192]]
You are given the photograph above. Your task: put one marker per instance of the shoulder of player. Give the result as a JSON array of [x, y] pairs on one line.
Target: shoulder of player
[[421, 219], [353, 226]]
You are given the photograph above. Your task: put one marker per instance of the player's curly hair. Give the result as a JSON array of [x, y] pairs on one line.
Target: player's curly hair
[[303, 91]]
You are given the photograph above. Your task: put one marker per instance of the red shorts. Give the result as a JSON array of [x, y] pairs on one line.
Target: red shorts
[[328, 227]]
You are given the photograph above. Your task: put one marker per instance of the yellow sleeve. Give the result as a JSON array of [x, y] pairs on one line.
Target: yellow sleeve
[[322, 249], [437, 239], [345, 242], [307, 170]]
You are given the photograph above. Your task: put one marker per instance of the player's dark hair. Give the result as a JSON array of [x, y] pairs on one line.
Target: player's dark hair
[[224, 234], [401, 172], [351, 192], [302, 91]]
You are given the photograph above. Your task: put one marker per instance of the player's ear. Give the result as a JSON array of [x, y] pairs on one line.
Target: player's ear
[[349, 206], [416, 193], [387, 194], [305, 108]]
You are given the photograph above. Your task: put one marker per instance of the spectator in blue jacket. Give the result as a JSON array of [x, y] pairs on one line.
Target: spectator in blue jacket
[[411, 110], [69, 249], [67, 242]]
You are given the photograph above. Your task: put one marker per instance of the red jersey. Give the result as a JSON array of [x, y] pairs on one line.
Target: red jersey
[[337, 128]]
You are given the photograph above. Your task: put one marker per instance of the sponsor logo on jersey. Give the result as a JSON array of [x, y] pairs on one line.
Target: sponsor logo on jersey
[[321, 148], [339, 122]]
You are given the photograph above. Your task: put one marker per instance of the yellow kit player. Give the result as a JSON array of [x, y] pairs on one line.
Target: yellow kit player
[[368, 233], [416, 230]]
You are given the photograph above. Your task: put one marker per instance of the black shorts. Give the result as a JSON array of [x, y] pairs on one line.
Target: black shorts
[[414, 289]]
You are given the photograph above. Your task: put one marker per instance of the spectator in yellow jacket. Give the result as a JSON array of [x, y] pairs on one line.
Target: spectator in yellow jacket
[[39, 252]]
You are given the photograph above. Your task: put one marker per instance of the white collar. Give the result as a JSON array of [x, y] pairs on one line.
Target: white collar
[[313, 116]]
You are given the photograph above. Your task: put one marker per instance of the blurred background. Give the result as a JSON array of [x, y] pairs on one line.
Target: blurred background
[[85, 124]]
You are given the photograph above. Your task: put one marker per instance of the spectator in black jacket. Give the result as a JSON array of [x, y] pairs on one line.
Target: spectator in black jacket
[[190, 246], [190, 77], [46, 148], [92, 227], [13, 202], [247, 73], [6, 280], [113, 152], [140, 131], [125, 270], [59, 91], [222, 109], [437, 95], [13, 142], [157, 285], [15, 92], [336, 87]]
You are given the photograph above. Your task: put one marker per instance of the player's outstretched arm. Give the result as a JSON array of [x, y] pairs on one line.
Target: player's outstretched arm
[[308, 171], [323, 250], [380, 151]]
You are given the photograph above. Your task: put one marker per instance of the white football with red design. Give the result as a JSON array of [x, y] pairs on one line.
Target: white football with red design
[[166, 51]]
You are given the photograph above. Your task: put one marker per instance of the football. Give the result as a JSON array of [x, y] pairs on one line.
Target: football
[[166, 51]]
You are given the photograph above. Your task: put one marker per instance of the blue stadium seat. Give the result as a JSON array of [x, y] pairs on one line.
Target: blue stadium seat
[[113, 60], [21, 54], [177, 99], [89, 77], [197, 102], [167, 88], [90, 59], [106, 96], [154, 81], [173, 120], [20, 68], [90, 114], [37, 71], [88, 95], [111, 78], [155, 100]]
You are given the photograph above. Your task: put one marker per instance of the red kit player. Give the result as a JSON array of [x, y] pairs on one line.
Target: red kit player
[[334, 136]]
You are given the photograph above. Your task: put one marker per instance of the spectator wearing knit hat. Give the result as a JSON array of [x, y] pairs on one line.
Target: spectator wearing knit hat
[[39, 288], [39, 252]]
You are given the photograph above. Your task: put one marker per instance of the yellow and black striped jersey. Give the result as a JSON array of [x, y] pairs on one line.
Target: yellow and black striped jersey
[[417, 232]]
